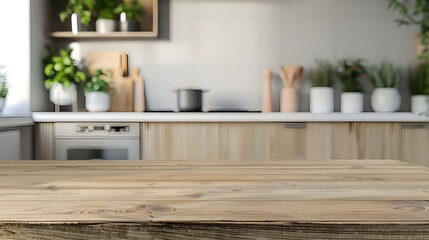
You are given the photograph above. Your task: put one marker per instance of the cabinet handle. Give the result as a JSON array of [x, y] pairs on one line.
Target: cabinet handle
[[414, 126], [295, 125]]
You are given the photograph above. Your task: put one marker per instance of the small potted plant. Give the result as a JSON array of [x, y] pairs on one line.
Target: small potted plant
[[3, 87], [349, 72], [106, 16], [419, 86], [97, 92], [80, 13], [129, 14], [385, 78], [321, 92], [62, 74]]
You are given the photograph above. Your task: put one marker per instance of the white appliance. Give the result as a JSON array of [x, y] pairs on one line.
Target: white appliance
[[105, 141]]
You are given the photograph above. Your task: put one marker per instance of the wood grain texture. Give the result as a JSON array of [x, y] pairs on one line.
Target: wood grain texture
[[354, 141], [211, 141], [415, 143], [44, 141], [260, 199]]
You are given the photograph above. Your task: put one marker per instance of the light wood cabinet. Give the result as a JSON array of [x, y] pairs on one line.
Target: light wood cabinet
[[415, 143], [211, 141], [354, 141]]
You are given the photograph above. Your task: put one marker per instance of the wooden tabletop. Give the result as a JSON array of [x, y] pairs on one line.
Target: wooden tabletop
[[248, 195]]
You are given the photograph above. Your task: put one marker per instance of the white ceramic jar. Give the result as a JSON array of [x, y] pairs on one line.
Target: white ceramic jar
[[419, 103], [59, 94], [321, 100], [351, 102], [385, 100], [97, 101]]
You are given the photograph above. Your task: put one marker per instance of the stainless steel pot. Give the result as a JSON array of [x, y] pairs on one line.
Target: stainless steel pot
[[190, 100]]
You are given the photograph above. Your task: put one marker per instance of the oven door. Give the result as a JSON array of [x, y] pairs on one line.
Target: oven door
[[89, 149]]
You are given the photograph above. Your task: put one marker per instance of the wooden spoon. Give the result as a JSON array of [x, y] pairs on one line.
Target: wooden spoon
[[290, 73], [299, 74], [283, 76]]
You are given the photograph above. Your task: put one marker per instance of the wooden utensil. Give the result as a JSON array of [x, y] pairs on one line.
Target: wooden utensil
[[267, 101], [290, 74], [298, 77], [139, 96]]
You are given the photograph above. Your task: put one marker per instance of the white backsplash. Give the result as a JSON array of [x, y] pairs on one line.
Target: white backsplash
[[224, 46]]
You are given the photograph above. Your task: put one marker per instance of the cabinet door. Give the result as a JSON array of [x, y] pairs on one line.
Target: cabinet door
[[44, 141], [354, 141], [211, 141], [415, 143]]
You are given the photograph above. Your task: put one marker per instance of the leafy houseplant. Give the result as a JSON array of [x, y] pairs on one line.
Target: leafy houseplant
[[3, 87], [321, 93], [414, 13], [61, 74], [83, 8], [321, 74], [104, 11], [385, 78], [97, 92], [349, 72], [419, 86], [129, 12]]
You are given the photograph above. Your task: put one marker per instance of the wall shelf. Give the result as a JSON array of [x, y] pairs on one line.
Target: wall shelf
[[148, 26]]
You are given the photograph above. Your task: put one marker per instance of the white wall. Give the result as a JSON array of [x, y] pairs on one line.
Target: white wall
[[15, 54], [224, 45]]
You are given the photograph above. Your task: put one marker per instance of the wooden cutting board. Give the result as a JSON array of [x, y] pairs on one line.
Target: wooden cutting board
[[122, 99], [111, 61]]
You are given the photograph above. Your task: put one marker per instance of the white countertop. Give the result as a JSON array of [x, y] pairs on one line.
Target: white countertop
[[225, 117], [11, 122]]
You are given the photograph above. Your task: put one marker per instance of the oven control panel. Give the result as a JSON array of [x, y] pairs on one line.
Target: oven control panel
[[96, 129]]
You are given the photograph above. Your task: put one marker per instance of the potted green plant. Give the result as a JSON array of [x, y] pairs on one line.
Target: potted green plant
[[104, 11], [385, 78], [415, 13], [61, 75], [97, 92], [4, 89], [129, 14], [349, 72], [321, 92], [419, 86], [80, 13]]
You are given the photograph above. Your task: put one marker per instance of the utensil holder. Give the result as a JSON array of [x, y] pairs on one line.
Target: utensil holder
[[289, 100]]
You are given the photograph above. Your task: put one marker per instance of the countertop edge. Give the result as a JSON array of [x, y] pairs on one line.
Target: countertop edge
[[13, 122], [225, 117]]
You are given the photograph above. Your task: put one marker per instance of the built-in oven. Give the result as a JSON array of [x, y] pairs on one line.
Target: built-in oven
[[105, 141]]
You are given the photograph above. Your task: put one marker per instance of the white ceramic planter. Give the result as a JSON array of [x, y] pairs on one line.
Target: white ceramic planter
[[2, 101], [62, 95], [321, 100], [385, 100], [419, 103], [105, 26], [351, 102], [97, 101]]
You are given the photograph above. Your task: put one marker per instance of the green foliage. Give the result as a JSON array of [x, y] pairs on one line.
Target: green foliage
[[419, 80], [4, 89], [132, 9], [414, 13], [83, 8], [321, 74], [385, 75], [99, 82], [348, 72], [104, 9], [61, 68]]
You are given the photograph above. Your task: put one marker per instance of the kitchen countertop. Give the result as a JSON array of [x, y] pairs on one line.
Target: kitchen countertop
[[15, 121], [225, 117], [282, 199]]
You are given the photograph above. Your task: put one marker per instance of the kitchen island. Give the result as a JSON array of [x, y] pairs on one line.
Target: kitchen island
[[293, 199]]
